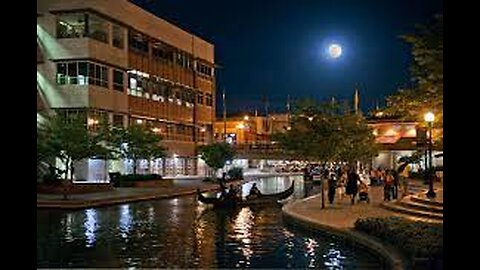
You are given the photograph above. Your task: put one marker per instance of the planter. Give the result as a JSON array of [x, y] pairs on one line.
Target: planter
[[74, 188], [150, 183]]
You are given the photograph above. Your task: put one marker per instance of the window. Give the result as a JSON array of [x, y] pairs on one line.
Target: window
[[200, 98], [61, 73], [183, 59], [118, 80], [162, 51], [117, 36], [208, 100], [82, 73], [97, 28], [137, 83], [71, 25], [204, 69], [138, 42], [117, 120]]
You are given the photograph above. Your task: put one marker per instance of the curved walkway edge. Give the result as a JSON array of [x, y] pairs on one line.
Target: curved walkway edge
[[393, 257]]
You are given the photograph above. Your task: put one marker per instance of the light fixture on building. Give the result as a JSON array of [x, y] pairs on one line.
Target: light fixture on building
[[246, 118], [289, 128], [156, 130], [203, 129], [241, 126], [139, 121], [92, 122], [310, 118]]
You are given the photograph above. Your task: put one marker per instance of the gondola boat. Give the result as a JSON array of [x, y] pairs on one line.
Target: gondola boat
[[259, 200]]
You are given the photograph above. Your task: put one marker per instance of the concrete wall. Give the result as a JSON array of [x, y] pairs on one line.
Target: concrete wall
[[139, 19]]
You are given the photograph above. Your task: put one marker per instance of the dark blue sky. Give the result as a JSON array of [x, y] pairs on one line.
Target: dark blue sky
[[275, 47]]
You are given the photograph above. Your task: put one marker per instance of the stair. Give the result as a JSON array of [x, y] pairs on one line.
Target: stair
[[417, 207]]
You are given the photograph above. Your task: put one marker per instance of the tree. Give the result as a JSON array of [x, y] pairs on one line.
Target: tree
[[323, 131], [427, 75], [138, 142], [217, 154], [69, 140]]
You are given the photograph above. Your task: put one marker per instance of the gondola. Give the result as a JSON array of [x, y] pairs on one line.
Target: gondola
[[260, 200]]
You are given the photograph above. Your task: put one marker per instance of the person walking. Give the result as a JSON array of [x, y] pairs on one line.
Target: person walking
[[352, 184], [387, 186], [332, 187], [396, 183]]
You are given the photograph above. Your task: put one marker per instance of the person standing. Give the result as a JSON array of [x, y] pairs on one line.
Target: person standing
[[404, 174], [396, 183], [387, 186]]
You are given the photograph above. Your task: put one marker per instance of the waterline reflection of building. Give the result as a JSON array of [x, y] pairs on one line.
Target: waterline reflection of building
[[90, 225]]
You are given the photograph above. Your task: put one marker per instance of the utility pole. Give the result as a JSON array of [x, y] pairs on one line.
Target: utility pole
[[224, 116]]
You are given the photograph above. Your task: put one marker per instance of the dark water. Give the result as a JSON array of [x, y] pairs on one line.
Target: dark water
[[181, 233]]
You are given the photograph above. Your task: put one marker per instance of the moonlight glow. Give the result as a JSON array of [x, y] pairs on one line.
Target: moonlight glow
[[335, 50]]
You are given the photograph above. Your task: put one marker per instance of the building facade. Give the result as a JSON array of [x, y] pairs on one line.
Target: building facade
[[400, 138], [111, 60]]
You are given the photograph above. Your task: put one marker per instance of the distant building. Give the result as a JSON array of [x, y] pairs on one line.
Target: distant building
[[399, 138], [111, 60]]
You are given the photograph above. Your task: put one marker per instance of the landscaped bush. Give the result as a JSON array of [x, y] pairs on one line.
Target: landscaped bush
[[415, 239], [139, 177], [235, 173]]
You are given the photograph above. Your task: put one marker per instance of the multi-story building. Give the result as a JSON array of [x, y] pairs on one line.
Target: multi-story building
[[111, 60]]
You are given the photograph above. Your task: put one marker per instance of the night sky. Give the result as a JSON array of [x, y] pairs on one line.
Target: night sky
[[276, 48]]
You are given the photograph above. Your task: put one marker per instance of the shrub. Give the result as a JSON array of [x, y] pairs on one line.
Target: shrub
[[139, 177], [416, 239], [235, 173]]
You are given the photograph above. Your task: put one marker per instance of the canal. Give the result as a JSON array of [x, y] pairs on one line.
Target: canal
[[182, 233]]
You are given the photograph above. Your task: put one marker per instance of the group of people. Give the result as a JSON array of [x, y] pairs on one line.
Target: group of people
[[234, 192], [392, 181], [341, 179]]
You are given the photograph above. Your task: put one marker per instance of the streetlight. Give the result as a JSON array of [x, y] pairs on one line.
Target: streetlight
[[429, 118]]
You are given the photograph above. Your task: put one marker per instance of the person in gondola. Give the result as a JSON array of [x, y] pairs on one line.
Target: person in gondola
[[254, 192], [232, 193]]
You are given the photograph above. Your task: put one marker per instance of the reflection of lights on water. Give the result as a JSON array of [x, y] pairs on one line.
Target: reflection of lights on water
[[68, 227], [289, 237], [242, 227], [310, 245], [333, 258], [90, 226], [151, 214], [175, 208], [125, 220]]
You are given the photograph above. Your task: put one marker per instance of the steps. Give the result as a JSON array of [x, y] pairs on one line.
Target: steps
[[417, 207]]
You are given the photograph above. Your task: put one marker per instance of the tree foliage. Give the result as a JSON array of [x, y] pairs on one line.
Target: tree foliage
[[217, 154], [138, 142], [324, 131], [427, 75], [69, 140]]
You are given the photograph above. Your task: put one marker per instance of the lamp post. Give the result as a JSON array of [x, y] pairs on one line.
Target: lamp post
[[429, 118]]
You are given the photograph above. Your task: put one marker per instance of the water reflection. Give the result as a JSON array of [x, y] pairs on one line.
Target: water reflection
[[125, 220], [242, 228], [90, 226], [181, 233]]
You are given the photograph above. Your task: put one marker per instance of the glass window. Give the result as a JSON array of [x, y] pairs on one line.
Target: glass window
[[91, 74], [97, 28], [82, 73], [200, 98], [138, 42], [61, 73], [117, 36], [117, 120], [71, 25], [104, 76], [72, 73], [118, 80], [208, 100]]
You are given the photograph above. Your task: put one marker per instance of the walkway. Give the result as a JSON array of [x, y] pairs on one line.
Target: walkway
[[180, 187], [340, 218]]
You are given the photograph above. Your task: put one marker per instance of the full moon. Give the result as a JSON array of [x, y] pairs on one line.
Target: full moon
[[334, 50]]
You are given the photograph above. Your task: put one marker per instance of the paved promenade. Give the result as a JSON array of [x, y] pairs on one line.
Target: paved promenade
[[339, 218]]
